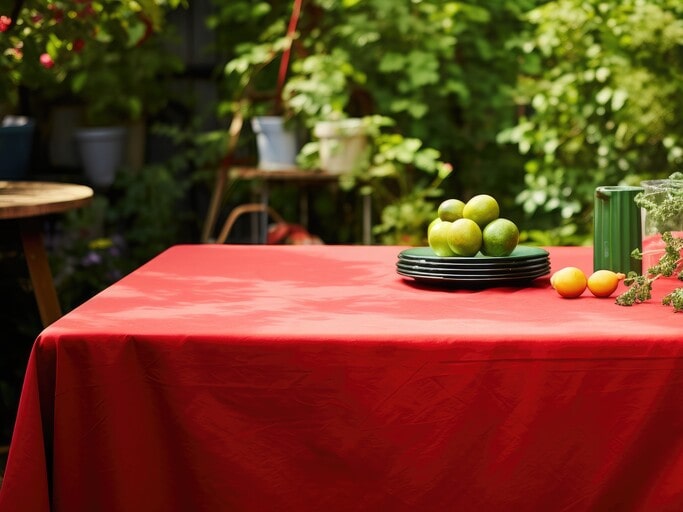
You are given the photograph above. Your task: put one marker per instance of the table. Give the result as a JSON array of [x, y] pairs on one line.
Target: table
[[265, 179], [27, 202], [268, 378]]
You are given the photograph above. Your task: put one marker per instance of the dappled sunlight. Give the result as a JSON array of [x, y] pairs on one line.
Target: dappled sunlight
[[248, 292]]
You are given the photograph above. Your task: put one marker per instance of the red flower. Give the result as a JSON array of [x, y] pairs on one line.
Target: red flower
[[57, 13], [5, 23], [78, 45], [86, 11], [46, 61]]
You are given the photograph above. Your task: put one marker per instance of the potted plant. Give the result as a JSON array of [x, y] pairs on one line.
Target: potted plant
[[16, 143], [397, 176], [107, 56], [119, 78], [33, 32], [276, 141], [251, 73], [319, 91], [20, 65]]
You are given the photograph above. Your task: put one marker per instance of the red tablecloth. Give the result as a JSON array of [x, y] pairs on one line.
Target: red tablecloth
[[263, 378]]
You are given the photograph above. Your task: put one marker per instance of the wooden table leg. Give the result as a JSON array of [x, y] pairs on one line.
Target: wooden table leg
[[39, 271], [214, 205]]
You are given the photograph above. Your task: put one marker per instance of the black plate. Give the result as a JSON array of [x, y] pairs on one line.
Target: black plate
[[469, 282], [521, 254], [473, 272]]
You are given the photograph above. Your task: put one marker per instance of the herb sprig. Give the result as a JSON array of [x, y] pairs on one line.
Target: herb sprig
[[640, 286]]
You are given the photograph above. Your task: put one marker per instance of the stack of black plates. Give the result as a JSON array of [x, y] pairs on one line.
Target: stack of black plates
[[518, 269]]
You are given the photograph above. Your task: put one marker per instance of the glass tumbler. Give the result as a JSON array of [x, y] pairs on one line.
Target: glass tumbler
[[660, 195]]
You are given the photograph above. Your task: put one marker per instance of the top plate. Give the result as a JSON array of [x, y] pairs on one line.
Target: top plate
[[521, 252]]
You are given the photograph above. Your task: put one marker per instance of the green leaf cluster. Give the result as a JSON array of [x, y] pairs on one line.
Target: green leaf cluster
[[600, 87], [109, 55]]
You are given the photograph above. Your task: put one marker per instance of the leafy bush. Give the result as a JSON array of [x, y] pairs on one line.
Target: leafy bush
[[601, 89]]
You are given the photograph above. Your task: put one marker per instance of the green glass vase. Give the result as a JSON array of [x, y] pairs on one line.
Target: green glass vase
[[617, 229]]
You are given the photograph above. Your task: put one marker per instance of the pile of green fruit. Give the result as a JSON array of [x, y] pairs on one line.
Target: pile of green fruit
[[465, 229]]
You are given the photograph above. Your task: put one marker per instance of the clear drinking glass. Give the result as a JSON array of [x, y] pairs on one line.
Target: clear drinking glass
[[660, 193]]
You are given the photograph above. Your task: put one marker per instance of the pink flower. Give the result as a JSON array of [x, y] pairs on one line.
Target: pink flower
[[46, 61], [5, 23]]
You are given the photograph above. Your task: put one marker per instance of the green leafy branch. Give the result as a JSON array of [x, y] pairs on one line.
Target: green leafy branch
[[640, 286]]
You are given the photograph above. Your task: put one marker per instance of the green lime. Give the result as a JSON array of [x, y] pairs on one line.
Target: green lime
[[431, 224], [451, 209], [464, 237], [499, 237], [482, 209], [437, 238]]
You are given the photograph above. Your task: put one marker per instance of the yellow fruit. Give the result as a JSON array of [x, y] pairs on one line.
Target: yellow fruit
[[569, 282], [437, 238], [602, 283], [464, 237], [500, 237], [451, 209], [482, 209]]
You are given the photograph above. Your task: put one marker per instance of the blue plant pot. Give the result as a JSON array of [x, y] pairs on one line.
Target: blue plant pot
[[16, 142]]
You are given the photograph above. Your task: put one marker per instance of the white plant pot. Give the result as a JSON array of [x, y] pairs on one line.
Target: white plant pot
[[102, 152], [276, 144], [342, 144]]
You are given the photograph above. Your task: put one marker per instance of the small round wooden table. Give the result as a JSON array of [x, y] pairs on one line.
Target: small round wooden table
[[26, 202]]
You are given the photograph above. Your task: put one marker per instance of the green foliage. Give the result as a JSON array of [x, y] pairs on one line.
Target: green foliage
[[601, 86], [109, 54], [640, 286], [85, 257], [403, 177], [442, 70], [321, 86]]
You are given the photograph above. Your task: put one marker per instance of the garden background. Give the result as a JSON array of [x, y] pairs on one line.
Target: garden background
[[534, 102]]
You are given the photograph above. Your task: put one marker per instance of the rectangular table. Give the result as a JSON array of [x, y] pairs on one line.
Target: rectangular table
[[278, 378]]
